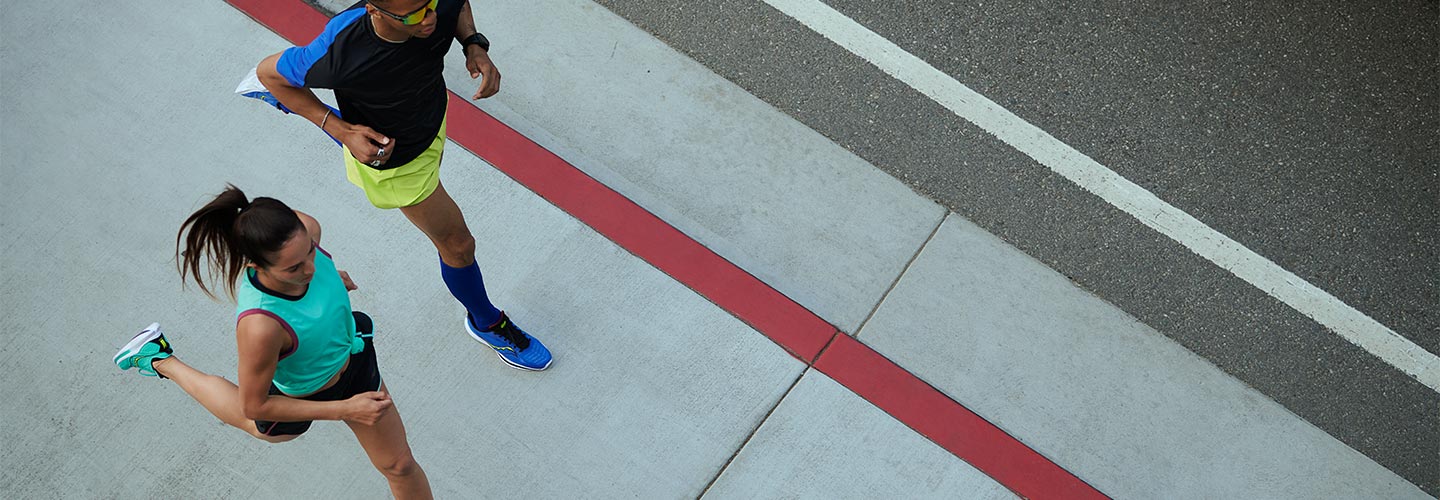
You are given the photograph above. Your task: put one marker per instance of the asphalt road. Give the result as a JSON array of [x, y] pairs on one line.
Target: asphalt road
[[1307, 132]]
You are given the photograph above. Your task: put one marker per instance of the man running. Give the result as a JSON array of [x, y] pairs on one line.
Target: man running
[[384, 59]]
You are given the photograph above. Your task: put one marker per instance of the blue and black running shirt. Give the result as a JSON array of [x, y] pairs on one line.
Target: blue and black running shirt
[[395, 88]]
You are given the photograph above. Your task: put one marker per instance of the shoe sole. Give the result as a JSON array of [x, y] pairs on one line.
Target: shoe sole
[[149, 333], [502, 357]]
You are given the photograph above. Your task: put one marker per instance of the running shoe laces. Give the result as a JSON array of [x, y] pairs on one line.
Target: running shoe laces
[[506, 330]]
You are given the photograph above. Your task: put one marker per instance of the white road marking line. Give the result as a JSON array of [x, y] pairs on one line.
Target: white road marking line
[[1150, 210]]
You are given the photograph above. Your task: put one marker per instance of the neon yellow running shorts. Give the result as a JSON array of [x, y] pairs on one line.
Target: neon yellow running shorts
[[401, 186]]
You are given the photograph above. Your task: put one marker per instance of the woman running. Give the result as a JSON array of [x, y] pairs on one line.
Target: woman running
[[303, 354]]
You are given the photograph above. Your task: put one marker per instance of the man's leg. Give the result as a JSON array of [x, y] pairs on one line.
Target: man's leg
[[440, 219]]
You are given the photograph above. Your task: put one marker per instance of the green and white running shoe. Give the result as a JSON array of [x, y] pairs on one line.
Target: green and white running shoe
[[143, 350]]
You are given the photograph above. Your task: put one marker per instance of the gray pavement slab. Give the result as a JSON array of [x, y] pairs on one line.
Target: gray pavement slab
[[1110, 399], [823, 441], [107, 147], [1026, 56], [781, 201]]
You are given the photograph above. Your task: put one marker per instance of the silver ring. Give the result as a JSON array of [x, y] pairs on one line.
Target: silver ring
[[375, 163], [381, 152]]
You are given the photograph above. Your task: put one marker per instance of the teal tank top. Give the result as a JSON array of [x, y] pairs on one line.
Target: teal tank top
[[320, 324]]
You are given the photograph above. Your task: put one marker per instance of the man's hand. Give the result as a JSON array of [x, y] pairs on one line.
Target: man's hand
[[479, 64], [349, 284], [366, 144], [366, 408]]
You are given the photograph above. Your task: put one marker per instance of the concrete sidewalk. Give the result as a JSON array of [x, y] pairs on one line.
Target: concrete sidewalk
[[653, 391], [656, 392]]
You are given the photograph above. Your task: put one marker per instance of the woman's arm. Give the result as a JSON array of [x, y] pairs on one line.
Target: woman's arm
[[312, 226], [261, 339]]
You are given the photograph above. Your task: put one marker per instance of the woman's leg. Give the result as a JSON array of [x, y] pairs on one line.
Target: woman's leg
[[388, 450], [216, 394]]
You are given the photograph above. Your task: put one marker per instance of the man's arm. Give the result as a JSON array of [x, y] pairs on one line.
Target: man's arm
[[465, 26], [364, 142], [477, 59]]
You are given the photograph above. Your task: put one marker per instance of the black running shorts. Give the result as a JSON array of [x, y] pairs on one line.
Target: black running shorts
[[363, 375]]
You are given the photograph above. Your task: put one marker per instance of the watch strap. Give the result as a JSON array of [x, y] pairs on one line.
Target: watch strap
[[476, 39]]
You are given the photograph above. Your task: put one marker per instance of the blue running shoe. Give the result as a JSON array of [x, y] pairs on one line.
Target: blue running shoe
[[515, 347], [141, 353], [252, 88]]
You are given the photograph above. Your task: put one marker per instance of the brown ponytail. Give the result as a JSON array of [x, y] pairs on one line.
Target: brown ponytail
[[232, 230]]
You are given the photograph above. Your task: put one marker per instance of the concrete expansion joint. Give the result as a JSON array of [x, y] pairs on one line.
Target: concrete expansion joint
[[901, 275], [758, 425]]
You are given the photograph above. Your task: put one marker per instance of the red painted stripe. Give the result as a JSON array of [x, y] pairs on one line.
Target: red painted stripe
[[947, 423], [291, 19], [637, 230], [801, 332]]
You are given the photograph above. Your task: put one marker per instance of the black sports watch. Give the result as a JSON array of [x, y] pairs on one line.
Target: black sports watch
[[476, 39]]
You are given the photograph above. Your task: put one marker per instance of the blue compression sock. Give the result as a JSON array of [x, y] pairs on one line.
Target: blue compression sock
[[468, 287]]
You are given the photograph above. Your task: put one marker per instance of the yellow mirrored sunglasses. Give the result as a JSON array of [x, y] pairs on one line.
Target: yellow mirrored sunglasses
[[412, 18]]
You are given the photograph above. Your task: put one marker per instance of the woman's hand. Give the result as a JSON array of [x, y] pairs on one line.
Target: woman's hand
[[349, 283], [367, 408]]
